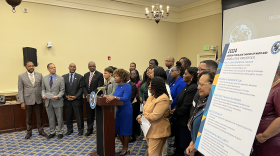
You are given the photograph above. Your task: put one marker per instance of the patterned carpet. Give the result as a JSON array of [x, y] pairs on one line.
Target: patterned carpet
[[14, 144]]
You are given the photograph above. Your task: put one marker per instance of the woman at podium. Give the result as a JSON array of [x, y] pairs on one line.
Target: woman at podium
[[123, 120]]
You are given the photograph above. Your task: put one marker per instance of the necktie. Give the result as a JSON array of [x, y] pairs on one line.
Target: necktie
[[32, 79], [51, 82], [167, 72], [91, 74], [71, 80]]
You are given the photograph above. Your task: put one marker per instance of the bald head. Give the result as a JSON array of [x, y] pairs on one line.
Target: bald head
[[92, 66], [72, 68], [171, 58], [169, 62]]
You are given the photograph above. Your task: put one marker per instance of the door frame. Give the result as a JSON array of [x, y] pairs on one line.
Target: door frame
[[199, 55]]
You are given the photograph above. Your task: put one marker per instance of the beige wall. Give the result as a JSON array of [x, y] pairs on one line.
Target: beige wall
[[79, 36], [195, 34]]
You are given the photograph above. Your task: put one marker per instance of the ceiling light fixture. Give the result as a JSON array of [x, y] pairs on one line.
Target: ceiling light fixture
[[157, 13]]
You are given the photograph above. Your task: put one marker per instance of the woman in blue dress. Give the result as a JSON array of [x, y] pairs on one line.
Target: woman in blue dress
[[123, 120]]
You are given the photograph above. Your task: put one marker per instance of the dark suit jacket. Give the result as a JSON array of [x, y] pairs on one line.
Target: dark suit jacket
[[76, 89], [133, 91], [97, 81], [184, 104]]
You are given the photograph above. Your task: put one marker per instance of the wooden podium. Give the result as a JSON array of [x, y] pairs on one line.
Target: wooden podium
[[105, 127]]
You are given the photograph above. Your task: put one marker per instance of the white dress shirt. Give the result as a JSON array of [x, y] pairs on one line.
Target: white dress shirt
[[29, 75]]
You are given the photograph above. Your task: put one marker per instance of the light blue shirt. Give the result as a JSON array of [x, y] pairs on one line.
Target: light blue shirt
[[53, 77], [72, 76]]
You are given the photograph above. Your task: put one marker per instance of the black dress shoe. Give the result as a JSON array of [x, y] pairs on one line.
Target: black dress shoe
[[28, 135], [43, 134], [69, 132], [51, 136], [80, 133], [88, 133], [60, 136]]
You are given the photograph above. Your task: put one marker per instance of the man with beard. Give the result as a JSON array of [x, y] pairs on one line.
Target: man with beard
[[29, 92]]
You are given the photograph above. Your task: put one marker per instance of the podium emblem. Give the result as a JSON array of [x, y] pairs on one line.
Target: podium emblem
[[92, 100]]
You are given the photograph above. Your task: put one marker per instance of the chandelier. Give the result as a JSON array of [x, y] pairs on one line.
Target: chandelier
[[157, 13]]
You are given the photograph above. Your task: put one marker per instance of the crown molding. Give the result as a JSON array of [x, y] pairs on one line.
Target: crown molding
[[119, 7], [199, 3], [136, 8], [200, 9]]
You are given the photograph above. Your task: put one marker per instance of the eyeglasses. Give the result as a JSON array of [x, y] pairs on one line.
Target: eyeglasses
[[201, 84], [202, 69]]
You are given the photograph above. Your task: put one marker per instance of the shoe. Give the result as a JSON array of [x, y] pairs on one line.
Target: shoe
[[172, 145], [127, 152], [50, 136], [60, 136], [43, 134], [28, 135], [88, 133], [68, 133], [80, 133], [132, 139]]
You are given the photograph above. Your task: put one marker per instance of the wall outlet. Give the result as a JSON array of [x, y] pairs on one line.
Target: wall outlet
[[25, 10]]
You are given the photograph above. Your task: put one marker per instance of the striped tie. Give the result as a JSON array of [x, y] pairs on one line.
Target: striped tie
[[91, 74]]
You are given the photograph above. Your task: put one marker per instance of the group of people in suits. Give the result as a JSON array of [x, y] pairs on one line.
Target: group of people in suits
[[67, 90], [167, 97], [174, 101]]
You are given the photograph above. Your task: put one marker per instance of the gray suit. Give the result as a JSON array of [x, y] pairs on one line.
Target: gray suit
[[111, 87], [32, 97], [54, 107], [111, 90], [28, 93]]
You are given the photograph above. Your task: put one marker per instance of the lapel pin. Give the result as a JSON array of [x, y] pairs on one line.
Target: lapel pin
[[75, 78], [93, 74]]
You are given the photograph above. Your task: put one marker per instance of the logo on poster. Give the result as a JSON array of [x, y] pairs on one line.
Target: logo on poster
[[275, 48], [241, 31]]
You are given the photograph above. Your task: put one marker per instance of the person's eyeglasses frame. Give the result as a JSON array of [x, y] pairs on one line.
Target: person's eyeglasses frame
[[202, 70], [202, 84]]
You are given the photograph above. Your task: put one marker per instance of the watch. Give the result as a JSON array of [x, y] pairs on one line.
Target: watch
[[115, 97]]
